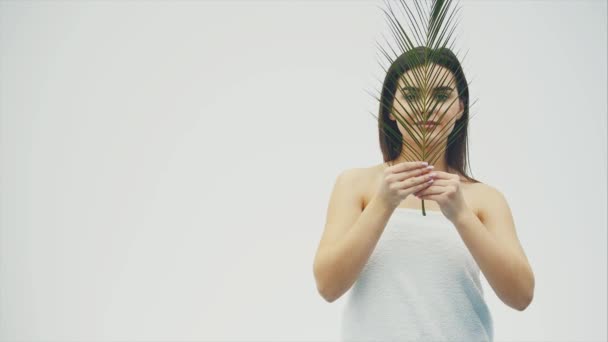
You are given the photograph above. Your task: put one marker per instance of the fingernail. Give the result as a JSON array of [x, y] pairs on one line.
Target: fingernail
[[430, 167]]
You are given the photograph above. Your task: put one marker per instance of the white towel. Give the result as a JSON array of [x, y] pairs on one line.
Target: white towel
[[420, 284]]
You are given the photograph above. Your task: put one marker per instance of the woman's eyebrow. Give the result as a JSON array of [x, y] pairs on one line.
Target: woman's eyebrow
[[443, 88], [436, 88]]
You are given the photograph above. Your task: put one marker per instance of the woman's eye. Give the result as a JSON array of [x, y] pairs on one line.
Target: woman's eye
[[442, 97], [409, 97]]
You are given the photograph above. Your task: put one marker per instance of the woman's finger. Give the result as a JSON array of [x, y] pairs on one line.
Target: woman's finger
[[435, 198], [431, 190], [443, 175], [441, 182], [405, 166], [438, 186]]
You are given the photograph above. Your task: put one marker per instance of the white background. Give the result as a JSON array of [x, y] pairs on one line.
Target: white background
[[166, 166]]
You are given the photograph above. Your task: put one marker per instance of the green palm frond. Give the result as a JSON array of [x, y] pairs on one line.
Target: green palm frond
[[416, 54]]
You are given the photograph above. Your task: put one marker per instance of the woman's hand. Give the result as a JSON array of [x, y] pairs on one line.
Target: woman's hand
[[447, 192], [402, 180]]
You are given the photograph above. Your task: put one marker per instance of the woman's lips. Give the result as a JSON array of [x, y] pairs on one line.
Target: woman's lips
[[428, 124]]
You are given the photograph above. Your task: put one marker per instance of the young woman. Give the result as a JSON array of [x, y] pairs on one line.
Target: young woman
[[415, 277]]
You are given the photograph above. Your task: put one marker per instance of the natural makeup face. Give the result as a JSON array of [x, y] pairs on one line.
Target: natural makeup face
[[429, 110]]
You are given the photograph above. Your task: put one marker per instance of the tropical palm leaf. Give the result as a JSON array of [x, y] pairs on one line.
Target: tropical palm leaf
[[431, 26]]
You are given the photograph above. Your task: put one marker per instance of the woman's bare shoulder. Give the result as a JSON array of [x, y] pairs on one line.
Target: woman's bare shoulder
[[362, 177], [369, 177], [484, 194], [365, 172]]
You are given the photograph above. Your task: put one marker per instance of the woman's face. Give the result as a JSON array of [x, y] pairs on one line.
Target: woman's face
[[416, 105]]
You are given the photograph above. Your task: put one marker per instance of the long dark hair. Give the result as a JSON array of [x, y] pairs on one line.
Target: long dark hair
[[457, 149]]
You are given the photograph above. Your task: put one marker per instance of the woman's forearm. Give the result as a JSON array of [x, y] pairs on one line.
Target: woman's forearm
[[341, 264], [510, 278]]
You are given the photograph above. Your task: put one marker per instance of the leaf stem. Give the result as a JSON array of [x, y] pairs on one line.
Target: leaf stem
[[423, 211]]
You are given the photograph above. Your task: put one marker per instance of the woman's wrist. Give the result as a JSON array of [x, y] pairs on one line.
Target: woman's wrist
[[463, 217], [380, 203]]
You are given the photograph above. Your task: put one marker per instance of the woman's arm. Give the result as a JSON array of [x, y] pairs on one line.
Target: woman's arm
[[494, 245], [349, 237]]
